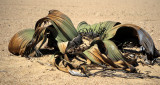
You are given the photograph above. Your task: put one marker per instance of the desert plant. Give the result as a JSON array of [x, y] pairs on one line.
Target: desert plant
[[106, 44]]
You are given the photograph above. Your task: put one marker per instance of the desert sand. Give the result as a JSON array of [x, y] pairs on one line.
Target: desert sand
[[16, 15]]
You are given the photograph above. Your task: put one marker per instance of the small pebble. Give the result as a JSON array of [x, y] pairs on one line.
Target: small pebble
[[131, 55]]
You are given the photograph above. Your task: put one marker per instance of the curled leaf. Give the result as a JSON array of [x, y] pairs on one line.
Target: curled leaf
[[20, 40], [124, 32]]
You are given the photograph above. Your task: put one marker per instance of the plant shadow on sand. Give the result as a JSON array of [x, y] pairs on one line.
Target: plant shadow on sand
[[47, 52], [43, 53], [124, 74]]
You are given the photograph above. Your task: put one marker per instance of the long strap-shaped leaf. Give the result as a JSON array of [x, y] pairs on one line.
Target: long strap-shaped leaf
[[66, 67], [97, 57], [112, 58], [19, 41], [39, 36], [62, 30], [112, 51], [90, 53], [61, 23], [135, 31]]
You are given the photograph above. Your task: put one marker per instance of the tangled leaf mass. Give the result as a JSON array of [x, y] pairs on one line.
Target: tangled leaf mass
[[107, 45]]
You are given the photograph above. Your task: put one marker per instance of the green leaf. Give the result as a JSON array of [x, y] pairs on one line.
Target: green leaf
[[96, 28], [130, 31], [90, 53], [62, 24], [20, 40], [112, 51]]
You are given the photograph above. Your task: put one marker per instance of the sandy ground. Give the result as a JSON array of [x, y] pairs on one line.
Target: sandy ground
[[16, 15]]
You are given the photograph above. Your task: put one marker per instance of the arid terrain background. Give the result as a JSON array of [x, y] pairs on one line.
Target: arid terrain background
[[16, 15]]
